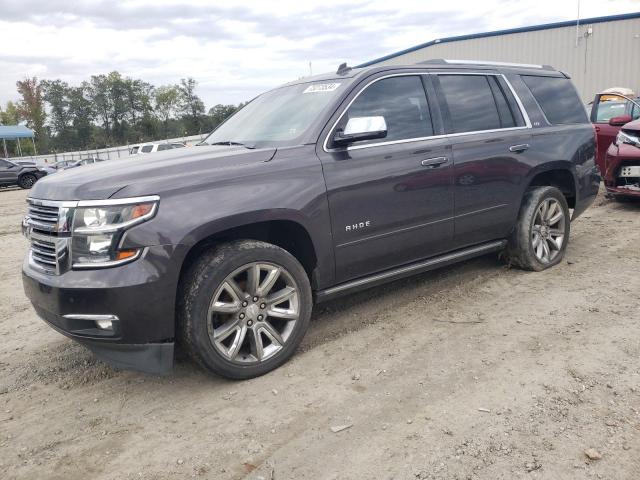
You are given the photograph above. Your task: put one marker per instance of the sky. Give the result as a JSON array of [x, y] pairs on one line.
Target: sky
[[236, 50]]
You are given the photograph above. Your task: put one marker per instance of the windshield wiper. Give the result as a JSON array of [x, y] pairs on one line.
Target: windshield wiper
[[231, 143]]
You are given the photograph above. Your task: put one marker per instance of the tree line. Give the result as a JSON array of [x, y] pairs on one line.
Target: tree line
[[107, 110]]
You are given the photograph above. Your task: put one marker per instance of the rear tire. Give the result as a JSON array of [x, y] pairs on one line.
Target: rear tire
[[541, 234], [27, 181], [244, 308]]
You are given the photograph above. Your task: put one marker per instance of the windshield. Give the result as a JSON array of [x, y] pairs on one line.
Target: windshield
[[279, 117]]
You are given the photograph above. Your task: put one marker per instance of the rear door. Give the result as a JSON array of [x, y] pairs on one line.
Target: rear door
[[391, 199], [490, 138]]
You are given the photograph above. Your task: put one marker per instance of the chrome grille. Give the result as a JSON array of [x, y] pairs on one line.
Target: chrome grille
[[44, 253], [47, 225], [43, 217]]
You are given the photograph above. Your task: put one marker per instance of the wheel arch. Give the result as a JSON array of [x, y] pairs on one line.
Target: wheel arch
[[556, 174], [287, 231]]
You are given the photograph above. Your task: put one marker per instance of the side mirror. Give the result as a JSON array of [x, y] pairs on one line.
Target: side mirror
[[619, 121], [361, 128]]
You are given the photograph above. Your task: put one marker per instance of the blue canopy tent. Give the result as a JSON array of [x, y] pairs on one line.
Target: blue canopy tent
[[16, 132]]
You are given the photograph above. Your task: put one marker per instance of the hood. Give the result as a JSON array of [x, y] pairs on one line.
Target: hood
[[149, 174], [634, 125]]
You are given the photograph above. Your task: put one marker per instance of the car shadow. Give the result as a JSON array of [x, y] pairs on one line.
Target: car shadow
[[70, 365]]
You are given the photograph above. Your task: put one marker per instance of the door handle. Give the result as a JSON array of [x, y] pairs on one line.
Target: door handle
[[434, 162], [519, 148]]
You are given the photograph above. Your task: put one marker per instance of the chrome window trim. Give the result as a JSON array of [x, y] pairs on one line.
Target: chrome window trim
[[523, 112]]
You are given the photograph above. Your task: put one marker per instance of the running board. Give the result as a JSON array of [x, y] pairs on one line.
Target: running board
[[408, 270]]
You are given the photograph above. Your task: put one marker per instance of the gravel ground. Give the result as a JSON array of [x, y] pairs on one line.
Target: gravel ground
[[471, 372]]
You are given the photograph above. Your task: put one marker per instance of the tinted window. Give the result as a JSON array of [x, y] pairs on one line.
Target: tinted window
[[146, 148], [510, 114], [403, 104], [134, 150], [164, 146], [557, 98], [471, 103], [4, 164], [177, 145]]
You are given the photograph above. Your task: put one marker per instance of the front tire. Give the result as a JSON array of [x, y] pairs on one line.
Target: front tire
[[541, 234], [244, 308], [27, 181]]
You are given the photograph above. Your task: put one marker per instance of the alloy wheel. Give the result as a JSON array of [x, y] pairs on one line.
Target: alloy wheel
[[253, 313], [27, 181], [548, 230]]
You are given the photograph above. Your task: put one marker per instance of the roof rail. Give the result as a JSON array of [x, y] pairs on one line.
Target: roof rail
[[445, 61]]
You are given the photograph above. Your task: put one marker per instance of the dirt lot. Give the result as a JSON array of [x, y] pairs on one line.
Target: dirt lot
[[471, 372]]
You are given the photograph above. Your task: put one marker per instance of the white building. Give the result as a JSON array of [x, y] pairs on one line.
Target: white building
[[597, 53]]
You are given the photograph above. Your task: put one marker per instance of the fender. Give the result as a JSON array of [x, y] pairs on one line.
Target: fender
[[549, 166]]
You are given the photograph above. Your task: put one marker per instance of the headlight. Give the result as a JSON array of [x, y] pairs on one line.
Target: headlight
[[98, 228], [624, 137]]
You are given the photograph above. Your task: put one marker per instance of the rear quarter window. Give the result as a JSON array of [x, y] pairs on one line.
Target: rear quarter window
[[557, 99]]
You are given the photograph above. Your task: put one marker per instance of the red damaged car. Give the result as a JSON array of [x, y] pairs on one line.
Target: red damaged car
[[622, 163], [610, 110]]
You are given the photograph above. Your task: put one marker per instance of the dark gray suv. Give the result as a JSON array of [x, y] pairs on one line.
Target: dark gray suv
[[24, 175], [321, 187]]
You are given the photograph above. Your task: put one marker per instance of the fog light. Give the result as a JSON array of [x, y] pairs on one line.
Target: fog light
[[104, 324], [82, 321]]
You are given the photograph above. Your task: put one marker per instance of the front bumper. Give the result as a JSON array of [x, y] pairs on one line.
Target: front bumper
[[617, 158], [139, 296], [623, 191]]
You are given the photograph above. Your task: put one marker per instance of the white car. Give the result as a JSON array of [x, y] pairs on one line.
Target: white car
[[154, 147]]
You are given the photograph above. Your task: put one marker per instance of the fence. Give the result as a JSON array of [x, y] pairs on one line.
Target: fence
[[110, 153]]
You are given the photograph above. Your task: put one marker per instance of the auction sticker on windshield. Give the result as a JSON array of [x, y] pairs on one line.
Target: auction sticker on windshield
[[321, 87]]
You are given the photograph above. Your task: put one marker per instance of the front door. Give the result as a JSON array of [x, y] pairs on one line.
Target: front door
[[605, 107], [391, 199]]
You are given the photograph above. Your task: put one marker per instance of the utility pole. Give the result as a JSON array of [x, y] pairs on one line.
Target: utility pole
[[578, 25]]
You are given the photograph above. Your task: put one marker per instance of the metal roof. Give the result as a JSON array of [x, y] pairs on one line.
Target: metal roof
[[11, 132], [546, 26]]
